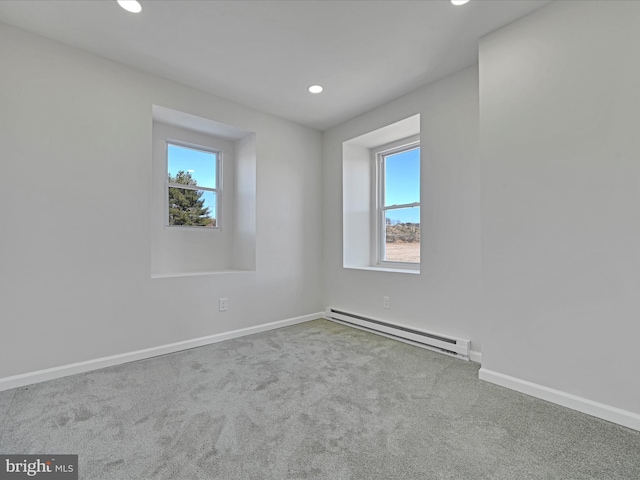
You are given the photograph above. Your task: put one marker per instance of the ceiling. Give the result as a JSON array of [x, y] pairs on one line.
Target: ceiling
[[266, 53]]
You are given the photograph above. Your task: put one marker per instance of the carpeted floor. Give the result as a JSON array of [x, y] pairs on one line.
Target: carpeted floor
[[315, 400]]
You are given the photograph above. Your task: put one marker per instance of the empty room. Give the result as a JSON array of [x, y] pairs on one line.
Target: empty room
[[320, 239]]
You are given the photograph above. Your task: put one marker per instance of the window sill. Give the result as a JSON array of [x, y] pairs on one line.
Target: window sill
[[196, 274], [195, 228], [413, 271]]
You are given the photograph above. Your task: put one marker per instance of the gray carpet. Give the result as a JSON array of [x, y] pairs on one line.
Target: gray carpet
[[316, 400]]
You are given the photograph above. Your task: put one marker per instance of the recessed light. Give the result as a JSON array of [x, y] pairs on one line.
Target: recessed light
[[459, 2], [132, 6], [315, 89]]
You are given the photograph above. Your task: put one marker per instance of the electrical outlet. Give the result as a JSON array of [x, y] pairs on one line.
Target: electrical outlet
[[386, 302], [224, 304]]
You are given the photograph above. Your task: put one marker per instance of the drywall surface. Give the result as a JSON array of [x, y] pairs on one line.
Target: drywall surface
[[444, 296], [75, 284], [244, 250], [357, 220], [559, 117]]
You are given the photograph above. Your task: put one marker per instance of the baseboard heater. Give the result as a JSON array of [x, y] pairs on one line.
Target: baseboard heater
[[455, 347]]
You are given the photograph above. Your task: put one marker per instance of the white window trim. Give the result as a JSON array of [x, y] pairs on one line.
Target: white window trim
[[217, 190], [378, 209]]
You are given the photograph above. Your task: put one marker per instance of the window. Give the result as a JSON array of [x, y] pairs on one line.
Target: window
[[193, 186], [381, 199], [398, 203], [203, 221]]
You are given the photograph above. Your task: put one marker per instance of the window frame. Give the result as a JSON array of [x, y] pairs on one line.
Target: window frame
[[217, 190], [378, 207]]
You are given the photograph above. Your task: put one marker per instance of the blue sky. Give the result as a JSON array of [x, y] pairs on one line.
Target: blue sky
[[402, 176], [201, 165]]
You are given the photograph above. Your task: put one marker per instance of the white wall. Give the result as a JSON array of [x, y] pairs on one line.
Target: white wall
[[244, 244], [559, 116], [75, 284], [444, 296], [356, 192]]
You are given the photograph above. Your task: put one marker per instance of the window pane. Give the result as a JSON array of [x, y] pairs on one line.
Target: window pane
[[191, 167], [402, 235], [192, 207], [402, 177]]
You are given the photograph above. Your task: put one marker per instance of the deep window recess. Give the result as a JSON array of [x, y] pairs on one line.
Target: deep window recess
[[398, 205], [193, 186]]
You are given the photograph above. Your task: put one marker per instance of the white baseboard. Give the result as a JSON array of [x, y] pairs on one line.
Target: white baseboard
[[29, 378], [584, 405], [475, 356]]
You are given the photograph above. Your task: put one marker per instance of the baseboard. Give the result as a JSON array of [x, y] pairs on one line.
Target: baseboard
[[29, 378], [475, 356], [584, 405]]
